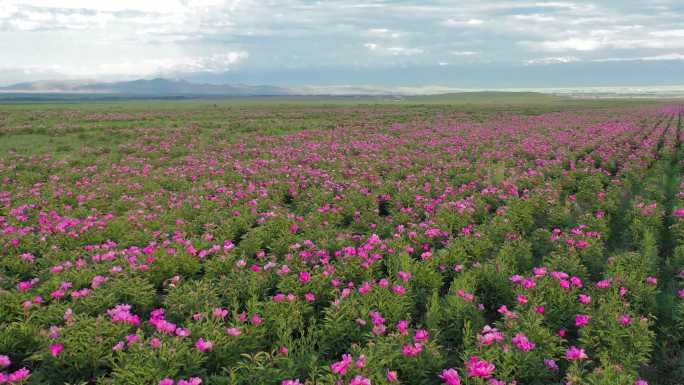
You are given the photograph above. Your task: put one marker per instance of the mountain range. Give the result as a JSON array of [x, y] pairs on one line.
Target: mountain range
[[144, 87]]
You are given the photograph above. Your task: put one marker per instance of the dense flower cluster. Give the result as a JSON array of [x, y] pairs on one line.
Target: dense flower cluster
[[345, 246]]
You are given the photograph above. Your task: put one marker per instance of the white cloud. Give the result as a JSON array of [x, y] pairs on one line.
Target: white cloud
[[463, 23], [394, 51], [668, 33], [664, 57], [553, 60], [571, 44], [403, 51], [220, 62], [537, 18], [464, 53]]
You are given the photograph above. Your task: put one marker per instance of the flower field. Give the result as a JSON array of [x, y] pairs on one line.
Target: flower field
[[347, 244]]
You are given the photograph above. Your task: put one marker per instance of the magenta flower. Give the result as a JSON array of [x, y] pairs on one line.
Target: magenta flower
[[522, 342], [304, 277], [203, 345], [421, 335], [256, 320], [581, 320], [19, 376], [551, 364], [450, 377], [5, 361], [625, 319], [392, 376], [166, 381], [341, 367], [233, 332], [360, 380], [479, 368], [56, 350], [574, 353], [291, 382]]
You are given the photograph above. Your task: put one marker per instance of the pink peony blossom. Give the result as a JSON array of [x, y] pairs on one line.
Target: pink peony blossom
[[450, 377]]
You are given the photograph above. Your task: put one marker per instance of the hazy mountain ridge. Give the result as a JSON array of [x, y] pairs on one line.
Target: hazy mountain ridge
[[158, 87]]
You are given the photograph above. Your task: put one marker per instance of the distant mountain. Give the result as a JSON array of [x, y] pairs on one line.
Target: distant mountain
[[142, 87]]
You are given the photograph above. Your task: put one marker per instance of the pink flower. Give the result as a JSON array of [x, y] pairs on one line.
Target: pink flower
[[56, 349], [490, 335], [310, 297], [4, 361], [361, 361], [256, 320], [360, 380], [204, 345], [643, 382], [652, 280], [412, 350], [625, 319], [403, 326], [291, 382], [522, 342], [575, 353], [479, 368], [166, 381], [421, 335], [399, 290], [191, 381], [341, 367], [551, 364], [584, 298], [679, 212], [581, 320], [450, 377], [392, 376], [405, 276], [19, 376], [233, 332], [220, 312], [304, 277]]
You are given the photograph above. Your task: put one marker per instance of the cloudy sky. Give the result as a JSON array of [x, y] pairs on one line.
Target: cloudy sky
[[464, 43]]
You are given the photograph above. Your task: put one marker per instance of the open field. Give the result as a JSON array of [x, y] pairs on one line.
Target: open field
[[462, 239]]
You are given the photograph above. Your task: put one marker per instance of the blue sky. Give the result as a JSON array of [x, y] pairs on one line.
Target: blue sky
[[401, 42]]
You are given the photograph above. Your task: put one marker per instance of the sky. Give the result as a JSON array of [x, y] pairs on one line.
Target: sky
[[461, 43]]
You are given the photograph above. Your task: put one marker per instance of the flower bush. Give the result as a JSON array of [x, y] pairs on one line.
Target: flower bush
[[419, 246]]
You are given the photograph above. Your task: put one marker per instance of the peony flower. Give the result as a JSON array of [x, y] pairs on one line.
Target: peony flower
[[360, 380], [575, 353], [56, 350], [421, 335], [19, 376], [551, 364], [341, 367], [581, 320], [479, 368], [204, 345], [291, 382], [450, 377], [522, 342]]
